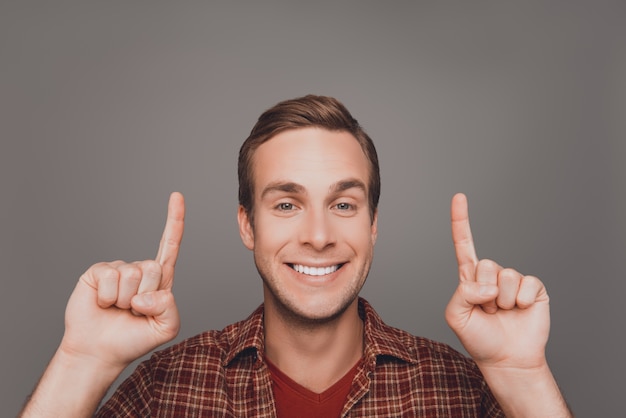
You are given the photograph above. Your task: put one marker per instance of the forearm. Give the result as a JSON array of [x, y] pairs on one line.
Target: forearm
[[527, 393], [70, 387]]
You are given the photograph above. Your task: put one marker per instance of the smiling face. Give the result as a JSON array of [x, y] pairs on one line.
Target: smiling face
[[313, 236]]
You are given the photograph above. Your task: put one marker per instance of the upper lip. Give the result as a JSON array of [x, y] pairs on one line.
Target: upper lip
[[318, 264]]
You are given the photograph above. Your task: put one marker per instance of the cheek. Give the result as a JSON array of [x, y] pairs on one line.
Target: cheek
[[358, 233], [271, 233]]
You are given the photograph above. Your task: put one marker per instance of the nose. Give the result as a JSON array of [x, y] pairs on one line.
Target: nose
[[317, 230]]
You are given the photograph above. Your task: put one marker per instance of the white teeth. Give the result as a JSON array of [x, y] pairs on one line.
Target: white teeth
[[314, 271]]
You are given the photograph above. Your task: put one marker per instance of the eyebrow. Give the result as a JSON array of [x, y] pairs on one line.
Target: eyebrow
[[343, 185], [291, 187], [283, 186]]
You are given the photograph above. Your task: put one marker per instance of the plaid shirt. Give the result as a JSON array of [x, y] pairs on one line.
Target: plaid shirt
[[223, 374]]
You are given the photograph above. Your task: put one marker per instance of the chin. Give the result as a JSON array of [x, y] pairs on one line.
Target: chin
[[310, 312]]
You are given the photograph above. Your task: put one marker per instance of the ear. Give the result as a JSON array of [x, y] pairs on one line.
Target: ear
[[245, 228], [375, 227]]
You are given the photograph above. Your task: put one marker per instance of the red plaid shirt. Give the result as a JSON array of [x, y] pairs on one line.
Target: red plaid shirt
[[223, 374]]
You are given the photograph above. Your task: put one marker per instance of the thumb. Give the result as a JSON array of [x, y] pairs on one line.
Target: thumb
[[160, 306], [465, 298]]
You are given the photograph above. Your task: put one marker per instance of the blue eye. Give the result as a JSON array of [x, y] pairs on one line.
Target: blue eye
[[344, 206]]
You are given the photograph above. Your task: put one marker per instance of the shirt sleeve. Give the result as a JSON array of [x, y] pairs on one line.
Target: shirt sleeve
[[132, 398], [490, 408]]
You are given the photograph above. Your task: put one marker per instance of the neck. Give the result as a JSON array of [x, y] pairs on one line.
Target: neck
[[315, 355]]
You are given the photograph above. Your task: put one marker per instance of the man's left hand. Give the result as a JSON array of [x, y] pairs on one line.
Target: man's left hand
[[501, 316]]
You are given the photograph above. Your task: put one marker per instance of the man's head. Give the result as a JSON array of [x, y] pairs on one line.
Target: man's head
[[309, 176], [305, 112]]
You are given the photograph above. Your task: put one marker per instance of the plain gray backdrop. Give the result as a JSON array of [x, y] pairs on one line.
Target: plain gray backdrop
[[107, 107]]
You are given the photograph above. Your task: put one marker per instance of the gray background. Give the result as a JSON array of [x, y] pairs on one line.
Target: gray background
[[107, 107]]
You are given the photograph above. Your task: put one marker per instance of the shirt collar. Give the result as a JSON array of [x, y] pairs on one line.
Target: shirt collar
[[247, 336], [383, 340]]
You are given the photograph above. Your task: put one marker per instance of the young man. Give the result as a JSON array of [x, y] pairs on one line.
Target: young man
[[308, 191]]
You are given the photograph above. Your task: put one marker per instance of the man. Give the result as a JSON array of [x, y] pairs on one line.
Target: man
[[308, 191]]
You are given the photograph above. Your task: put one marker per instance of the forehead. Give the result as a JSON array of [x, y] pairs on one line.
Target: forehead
[[313, 157]]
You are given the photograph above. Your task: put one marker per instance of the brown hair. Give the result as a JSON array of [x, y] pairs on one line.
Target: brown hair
[[303, 112]]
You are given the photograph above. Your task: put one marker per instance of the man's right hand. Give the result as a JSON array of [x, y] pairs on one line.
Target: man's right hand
[[120, 311], [117, 313]]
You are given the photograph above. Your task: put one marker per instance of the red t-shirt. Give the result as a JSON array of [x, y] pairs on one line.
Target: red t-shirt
[[294, 400]]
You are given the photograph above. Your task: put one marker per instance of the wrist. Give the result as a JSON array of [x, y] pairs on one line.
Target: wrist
[[92, 358], [526, 392], [72, 385], [87, 365]]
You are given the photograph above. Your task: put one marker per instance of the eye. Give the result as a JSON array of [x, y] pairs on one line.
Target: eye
[[285, 206], [343, 206]]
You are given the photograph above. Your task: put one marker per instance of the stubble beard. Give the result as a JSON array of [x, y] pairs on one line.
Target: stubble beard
[[290, 313]]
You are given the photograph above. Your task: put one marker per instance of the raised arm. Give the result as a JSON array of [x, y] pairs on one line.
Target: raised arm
[[117, 313], [502, 318]]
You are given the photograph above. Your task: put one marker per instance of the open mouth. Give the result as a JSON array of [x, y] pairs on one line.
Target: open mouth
[[315, 271]]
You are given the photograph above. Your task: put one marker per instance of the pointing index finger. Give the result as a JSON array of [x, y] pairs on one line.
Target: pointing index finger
[[171, 239], [462, 238]]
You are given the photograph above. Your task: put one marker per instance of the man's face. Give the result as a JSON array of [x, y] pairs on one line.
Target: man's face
[[313, 237]]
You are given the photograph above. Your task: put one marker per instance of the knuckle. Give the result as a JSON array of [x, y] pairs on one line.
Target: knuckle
[[151, 268], [510, 271], [170, 243], [106, 299], [108, 273], [533, 280], [130, 272], [488, 264], [103, 265], [467, 289], [525, 301], [509, 275], [506, 303]]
